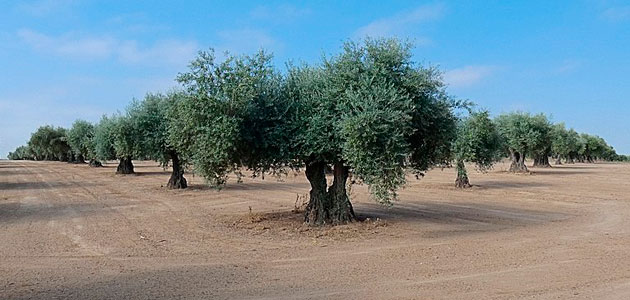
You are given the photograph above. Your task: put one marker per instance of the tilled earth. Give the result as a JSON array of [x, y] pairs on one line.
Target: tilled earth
[[75, 232]]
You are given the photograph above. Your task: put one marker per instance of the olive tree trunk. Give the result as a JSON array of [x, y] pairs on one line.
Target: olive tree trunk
[[462, 181], [341, 210], [328, 205], [559, 160], [125, 166], [542, 161], [177, 180], [518, 162]]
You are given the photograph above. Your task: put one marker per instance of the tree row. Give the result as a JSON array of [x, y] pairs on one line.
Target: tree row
[[368, 115]]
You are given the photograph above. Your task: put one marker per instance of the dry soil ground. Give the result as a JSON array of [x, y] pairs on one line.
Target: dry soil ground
[[74, 232]]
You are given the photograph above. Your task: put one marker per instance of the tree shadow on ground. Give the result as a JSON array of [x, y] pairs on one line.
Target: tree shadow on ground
[[440, 219], [34, 185], [16, 212], [460, 214], [188, 281], [427, 219], [499, 184], [266, 185], [153, 173], [15, 172], [551, 171]]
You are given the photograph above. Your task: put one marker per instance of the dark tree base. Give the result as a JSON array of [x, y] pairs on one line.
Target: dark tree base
[[95, 163], [332, 205], [542, 162], [462, 182], [125, 166], [518, 167], [177, 181]]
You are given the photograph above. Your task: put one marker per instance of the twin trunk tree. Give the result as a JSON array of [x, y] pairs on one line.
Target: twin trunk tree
[[542, 161], [125, 166], [328, 205], [517, 164]]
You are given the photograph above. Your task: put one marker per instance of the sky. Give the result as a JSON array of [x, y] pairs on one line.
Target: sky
[[62, 60]]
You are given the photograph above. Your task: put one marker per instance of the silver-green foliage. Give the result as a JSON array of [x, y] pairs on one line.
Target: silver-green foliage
[[228, 117], [374, 110], [116, 137], [478, 141], [81, 139]]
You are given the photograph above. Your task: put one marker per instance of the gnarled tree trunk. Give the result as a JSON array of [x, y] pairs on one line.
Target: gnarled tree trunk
[[341, 210], [317, 208], [518, 162], [328, 205], [462, 176], [559, 160], [177, 180], [542, 161], [125, 166]]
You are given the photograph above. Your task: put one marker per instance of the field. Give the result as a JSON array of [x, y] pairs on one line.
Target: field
[[74, 232]]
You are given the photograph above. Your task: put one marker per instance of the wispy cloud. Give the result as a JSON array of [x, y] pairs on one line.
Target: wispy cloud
[[165, 52], [619, 13], [401, 22], [468, 76], [567, 66]]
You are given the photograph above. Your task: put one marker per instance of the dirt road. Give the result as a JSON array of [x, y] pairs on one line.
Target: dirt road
[[74, 232]]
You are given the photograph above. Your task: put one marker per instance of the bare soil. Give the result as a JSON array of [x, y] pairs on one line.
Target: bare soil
[[74, 232]]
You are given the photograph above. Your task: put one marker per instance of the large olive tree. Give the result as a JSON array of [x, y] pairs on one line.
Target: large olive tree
[[370, 112]]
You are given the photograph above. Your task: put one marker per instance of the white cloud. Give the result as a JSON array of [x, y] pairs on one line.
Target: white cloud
[[467, 76], [617, 13], [401, 22], [165, 52]]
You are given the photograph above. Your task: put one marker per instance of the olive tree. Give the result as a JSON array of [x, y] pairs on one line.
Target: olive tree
[[541, 147], [21, 153], [151, 118], [477, 142], [565, 143], [229, 116], [117, 138], [81, 141], [370, 112], [50, 143], [522, 133]]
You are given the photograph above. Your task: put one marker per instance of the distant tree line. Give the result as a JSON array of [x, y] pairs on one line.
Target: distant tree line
[[367, 115]]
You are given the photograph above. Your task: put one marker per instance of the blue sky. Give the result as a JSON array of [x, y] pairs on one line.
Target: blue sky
[[61, 60]]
